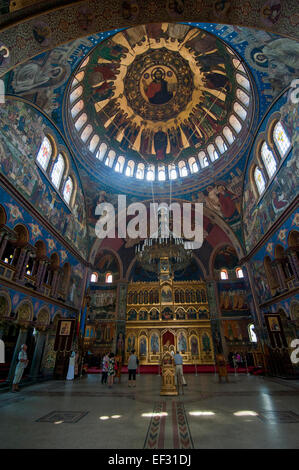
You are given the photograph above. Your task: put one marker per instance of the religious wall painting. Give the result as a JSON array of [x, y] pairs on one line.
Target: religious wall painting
[[182, 342], [5, 304], [191, 314], [166, 294], [143, 315], [206, 342], [180, 314], [143, 346], [131, 343], [203, 313], [105, 333], [167, 313], [194, 345], [155, 343], [132, 315], [21, 133], [154, 314]]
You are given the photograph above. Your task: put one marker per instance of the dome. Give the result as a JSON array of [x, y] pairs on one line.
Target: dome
[[159, 102]]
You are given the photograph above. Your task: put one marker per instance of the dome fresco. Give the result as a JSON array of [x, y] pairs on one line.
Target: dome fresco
[[160, 101]]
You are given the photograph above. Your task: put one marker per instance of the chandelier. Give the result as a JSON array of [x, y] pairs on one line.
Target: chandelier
[[164, 244]]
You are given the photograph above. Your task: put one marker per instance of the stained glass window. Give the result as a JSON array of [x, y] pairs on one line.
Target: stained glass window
[[81, 121], [193, 165], [242, 96], [94, 142], [150, 175], [220, 144], [268, 160], [78, 78], [161, 173], [182, 168], [76, 93], [94, 277], [119, 166], [259, 180], [235, 123], [77, 108], [241, 112], [44, 153], [281, 139], [227, 132], [130, 168], [243, 81], [109, 277], [203, 160], [86, 133], [102, 151], [57, 171], [172, 172], [110, 158], [140, 171], [239, 273], [223, 274], [68, 189], [212, 152]]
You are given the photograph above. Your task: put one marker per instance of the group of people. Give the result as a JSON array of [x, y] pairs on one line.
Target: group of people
[[111, 368]]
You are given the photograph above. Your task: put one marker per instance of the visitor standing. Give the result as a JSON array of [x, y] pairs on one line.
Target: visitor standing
[[71, 369], [105, 367], [111, 369], [178, 360], [132, 367], [21, 366]]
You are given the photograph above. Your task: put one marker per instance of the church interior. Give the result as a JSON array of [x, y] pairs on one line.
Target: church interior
[[183, 102]]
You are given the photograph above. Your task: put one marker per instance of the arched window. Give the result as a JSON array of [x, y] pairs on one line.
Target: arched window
[[68, 189], [110, 158], [94, 142], [81, 121], [227, 132], [85, 62], [109, 278], [102, 151], [242, 96], [240, 111], [212, 152], [193, 165], [77, 108], [239, 273], [161, 173], [94, 277], [78, 78], [140, 171], [119, 166], [172, 171], [268, 160], [251, 333], [203, 160], [182, 168], [57, 171], [259, 180], [281, 139], [221, 144], [223, 274], [235, 123], [86, 133], [44, 154], [150, 175], [130, 168]]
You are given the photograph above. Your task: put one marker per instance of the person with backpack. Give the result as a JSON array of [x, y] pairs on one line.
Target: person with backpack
[[132, 368]]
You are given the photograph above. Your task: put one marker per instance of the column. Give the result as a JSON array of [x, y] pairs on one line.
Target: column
[[22, 259], [292, 257], [21, 340], [3, 242], [42, 268], [280, 273], [37, 355], [54, 283], [215, 316]]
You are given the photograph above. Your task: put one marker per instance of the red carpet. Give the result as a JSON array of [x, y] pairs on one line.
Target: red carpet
[[188, 369]]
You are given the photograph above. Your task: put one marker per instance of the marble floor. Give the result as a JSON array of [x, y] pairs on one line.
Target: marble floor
[[248, 412]]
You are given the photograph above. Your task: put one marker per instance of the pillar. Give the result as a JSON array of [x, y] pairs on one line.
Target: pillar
[[37, 355], [21, 340], [3, 243], [292, 257], [23, 256]]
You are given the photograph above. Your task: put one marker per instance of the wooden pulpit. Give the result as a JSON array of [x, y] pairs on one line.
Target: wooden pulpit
[[168, 375]]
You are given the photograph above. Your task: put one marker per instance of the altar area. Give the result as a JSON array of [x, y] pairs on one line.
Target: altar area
[[169, 313]]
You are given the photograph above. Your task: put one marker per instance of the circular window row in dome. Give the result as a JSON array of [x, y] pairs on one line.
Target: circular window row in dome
[[161, 172]]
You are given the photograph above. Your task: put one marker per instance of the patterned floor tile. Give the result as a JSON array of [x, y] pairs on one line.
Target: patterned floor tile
[[64, 416]]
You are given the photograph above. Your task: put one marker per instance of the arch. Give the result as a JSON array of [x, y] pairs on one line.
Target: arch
[[25, 310], [58, 170], [94, 277], [96, 249], [3, 216], [54, 261], [268, 159], [68, 189], [193, 165], [109, 278], [203, 159], [182, 168], [223, 274], [293, 239], [102, 151], [239, 273], [5, 304], [281, 139], [22, 234], [214, 253], [43, 316], [130, 168], [46, 152], [259, 180], [40, 249], [279, 252], [120, 163]]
